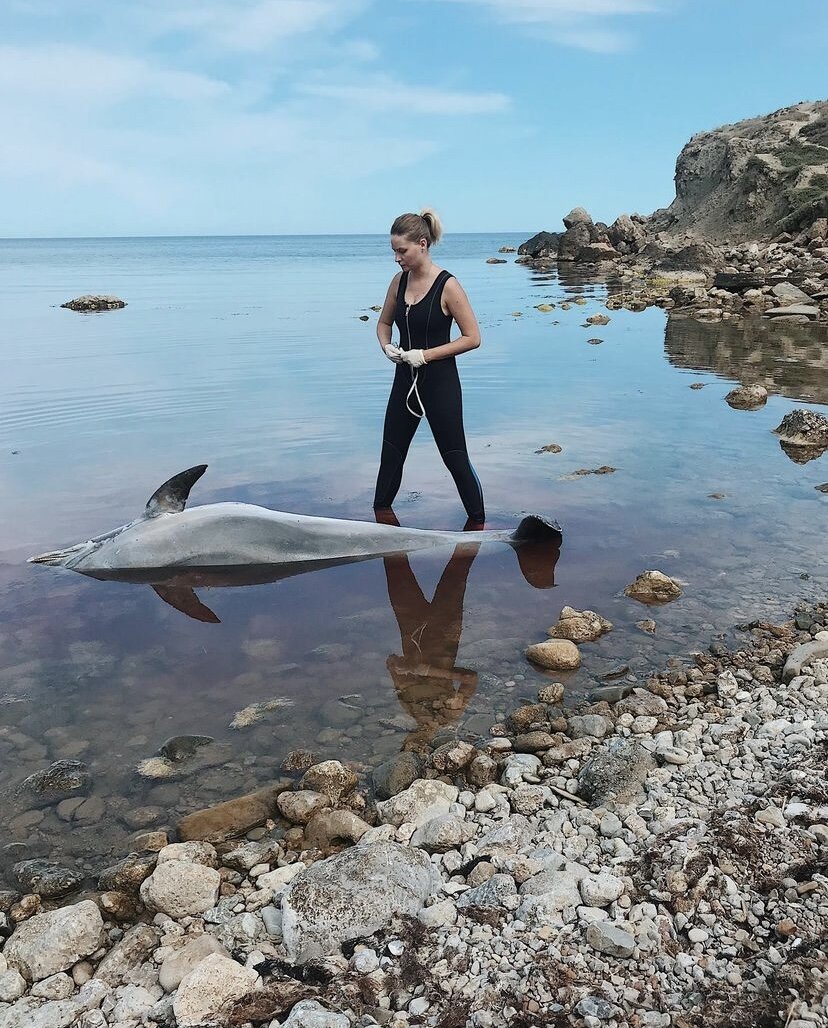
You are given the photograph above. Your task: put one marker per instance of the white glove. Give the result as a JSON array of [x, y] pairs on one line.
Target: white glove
[[393, 353], [416, 358]]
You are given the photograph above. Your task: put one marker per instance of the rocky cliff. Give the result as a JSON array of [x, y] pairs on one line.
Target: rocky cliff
[[752, 180]]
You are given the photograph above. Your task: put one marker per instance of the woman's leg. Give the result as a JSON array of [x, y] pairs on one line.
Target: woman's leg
[[443, 401], [398, 431]]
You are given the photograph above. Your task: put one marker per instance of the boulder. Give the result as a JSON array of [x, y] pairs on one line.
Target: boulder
[[128, 874], [299, 807], [611, 939], [334, 827], [232, 817], [61, 780], [309, 1013], [53, 941], [616, 772], [596, 252], [420, 802], [181, 888], [396, 774], [352, 895], [577, 216], [573, 241], [332, 778], [555, 654], [128, 953], [47, 879], [506, 838], [806, 428], [180, 963], [543, 244], [746, 397], [214, 983], [653, 587], [579, 626]]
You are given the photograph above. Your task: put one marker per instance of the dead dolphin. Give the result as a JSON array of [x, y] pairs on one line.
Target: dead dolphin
[[176, 550]]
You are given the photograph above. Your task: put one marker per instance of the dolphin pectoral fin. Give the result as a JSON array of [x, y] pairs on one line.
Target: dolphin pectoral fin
[[171, 497], [187, 602]]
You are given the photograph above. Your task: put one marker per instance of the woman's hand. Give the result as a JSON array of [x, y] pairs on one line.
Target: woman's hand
[[393, 353], [416, 358]]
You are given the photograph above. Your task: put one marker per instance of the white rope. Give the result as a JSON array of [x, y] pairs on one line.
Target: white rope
[[415, 392]]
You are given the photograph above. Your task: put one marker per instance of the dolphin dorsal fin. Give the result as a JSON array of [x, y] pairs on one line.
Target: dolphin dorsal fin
[[171, 497]]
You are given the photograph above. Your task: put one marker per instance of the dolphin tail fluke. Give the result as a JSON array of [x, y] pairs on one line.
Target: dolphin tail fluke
[[171, 497], [187, 602], [537, 543], [535, 528]]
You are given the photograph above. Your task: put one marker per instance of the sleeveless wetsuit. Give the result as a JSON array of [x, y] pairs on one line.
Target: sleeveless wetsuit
[[423, 325]]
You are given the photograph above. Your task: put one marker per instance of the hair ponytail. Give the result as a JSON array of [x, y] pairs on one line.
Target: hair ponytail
[[413, 227]]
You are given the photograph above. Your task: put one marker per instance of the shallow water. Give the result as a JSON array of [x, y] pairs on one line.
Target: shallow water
[[248, 354]]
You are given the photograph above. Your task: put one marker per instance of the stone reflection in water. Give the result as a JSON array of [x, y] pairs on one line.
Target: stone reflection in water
[[790, 359]]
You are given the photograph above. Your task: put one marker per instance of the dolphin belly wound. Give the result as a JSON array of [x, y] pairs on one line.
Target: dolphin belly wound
[[221, 541]]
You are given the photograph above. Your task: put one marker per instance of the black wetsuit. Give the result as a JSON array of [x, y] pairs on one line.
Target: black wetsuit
[[423, 325]]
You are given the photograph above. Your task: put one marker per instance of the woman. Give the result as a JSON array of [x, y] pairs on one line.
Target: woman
[[423, 300]]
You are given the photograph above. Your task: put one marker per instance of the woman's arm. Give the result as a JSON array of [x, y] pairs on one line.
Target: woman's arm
[[458, 306], [386, 318]]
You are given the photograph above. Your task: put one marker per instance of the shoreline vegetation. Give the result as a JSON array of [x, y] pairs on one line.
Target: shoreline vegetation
[[654, 856]]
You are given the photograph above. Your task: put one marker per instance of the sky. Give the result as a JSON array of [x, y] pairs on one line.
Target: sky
[[200, 117]]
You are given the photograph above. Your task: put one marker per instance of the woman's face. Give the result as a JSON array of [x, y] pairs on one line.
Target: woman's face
[[408, 254]]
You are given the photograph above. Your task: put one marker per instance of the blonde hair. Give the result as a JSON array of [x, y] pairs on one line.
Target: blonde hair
[[425, 225]]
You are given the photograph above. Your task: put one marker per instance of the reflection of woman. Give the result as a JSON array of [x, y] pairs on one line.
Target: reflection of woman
[[429, 685], [423, 301]]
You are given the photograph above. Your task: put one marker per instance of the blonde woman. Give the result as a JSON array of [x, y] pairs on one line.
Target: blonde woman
[[423, 301]]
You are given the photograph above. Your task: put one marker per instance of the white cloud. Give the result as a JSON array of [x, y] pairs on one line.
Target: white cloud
[[72, 74], [383, 93], [586, 24]]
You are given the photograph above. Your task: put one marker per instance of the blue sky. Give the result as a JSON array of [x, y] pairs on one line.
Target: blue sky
[[287, 116]]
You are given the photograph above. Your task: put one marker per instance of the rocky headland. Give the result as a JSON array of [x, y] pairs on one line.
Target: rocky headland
[[747, 233], [655, 856]]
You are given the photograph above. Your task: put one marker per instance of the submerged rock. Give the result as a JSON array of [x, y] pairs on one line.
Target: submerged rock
[[61, 780], [182, 747], [653, 587], [47, 879], [233, 817]]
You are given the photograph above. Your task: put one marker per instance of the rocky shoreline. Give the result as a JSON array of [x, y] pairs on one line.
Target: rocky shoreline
[[658, 856]]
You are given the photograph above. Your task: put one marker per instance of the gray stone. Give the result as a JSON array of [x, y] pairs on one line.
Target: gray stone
[[396, 774], [420, 802], [181, 888], [208, 987], [505, 839], [616, 772], [53, 941], [440, 834], [309, 1013], [129, 952], [47, 879], [610, 939], [184, 960], [352, 895], [61, 780]]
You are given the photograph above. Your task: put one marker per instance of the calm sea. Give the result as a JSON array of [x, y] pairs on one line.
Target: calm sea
[[249, 354]]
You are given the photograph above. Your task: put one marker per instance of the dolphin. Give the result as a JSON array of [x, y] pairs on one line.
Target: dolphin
[[177, 550]]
